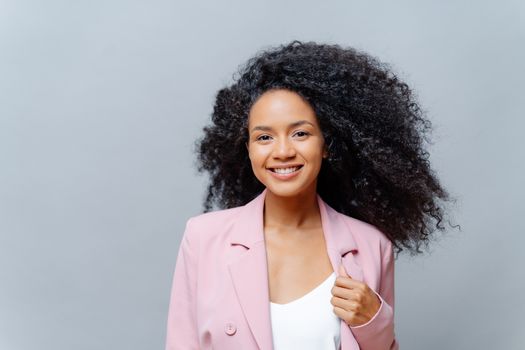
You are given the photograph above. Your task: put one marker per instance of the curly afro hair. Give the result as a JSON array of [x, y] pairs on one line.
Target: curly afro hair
[[378, 170]]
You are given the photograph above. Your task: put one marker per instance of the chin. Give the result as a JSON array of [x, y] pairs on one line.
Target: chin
[[283, 190], [283, 193]]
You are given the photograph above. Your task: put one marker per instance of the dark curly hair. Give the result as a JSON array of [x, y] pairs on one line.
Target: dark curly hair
[[377, 171]]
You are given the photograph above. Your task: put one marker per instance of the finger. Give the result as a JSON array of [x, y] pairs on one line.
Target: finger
[[341, 292], [341, 313], [342, 271], [347, 294], [346, 316], [347, 282], [347, 305]]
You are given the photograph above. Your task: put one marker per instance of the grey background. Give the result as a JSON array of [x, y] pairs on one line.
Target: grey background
[[100, 102]]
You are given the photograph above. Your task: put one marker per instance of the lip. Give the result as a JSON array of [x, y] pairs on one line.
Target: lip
[[285, 176], [284, 166]]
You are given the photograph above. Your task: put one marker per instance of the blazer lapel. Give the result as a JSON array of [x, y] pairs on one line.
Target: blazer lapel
[[340, 242], [341, 248], [249, 273]]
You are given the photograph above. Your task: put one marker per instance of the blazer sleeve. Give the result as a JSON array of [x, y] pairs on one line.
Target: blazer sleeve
[[182, 321], [378, 332]]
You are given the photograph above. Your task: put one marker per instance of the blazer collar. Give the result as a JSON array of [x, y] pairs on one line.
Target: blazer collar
[[249, 228], [249, 272]]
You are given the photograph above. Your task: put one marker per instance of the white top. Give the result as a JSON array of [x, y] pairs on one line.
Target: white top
[[307, 323]]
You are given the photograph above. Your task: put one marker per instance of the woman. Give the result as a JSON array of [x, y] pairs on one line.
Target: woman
[[316, 159]]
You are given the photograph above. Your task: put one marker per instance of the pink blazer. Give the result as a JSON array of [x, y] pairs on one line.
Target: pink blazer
[[220, 297]]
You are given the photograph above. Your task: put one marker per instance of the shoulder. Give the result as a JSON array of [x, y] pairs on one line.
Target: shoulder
[[213, 221]]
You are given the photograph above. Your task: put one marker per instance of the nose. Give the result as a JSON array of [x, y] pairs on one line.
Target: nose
[[284, 149]]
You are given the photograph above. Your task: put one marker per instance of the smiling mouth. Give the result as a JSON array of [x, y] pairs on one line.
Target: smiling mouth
[[285, 170]]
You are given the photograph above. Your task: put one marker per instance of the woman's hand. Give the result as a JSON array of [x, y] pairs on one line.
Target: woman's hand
[[353, 301]]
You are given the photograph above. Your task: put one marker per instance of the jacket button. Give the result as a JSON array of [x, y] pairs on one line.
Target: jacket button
[[230, 329]]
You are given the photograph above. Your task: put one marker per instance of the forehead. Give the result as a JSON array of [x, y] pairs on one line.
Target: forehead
[[280, 107]]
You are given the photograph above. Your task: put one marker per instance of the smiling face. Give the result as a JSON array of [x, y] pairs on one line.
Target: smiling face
[[285, 143]]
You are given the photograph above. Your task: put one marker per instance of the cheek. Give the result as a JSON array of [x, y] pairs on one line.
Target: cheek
[[314, 153], [257, 164], [257, 156]]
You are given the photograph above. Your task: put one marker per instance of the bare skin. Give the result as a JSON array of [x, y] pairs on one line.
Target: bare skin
[[296, 250]]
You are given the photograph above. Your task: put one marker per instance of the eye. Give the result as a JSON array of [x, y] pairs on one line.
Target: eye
[[263, 138], [302, 133]]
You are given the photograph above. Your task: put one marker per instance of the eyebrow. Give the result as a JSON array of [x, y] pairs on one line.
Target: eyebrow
[[292, 125]]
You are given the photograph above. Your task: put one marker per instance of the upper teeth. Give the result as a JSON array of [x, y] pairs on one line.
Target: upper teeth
[[285, 170]]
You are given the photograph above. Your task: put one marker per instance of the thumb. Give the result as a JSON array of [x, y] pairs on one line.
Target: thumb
[[342, 271]]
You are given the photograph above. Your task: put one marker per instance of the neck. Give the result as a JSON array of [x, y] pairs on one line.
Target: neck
[[301, 211]]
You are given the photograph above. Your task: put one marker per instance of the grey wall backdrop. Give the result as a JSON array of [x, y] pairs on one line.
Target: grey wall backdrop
[[100, 102]]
